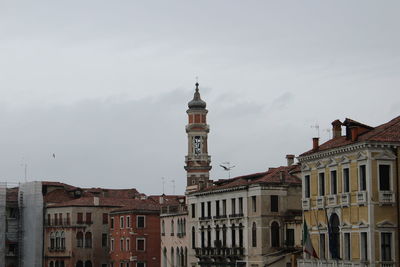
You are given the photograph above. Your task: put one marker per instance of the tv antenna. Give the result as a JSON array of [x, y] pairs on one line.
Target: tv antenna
[[173, 187], [227, 167], [316, 127]]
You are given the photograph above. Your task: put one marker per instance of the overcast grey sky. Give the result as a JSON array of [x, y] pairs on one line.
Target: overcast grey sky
[[105, 84]]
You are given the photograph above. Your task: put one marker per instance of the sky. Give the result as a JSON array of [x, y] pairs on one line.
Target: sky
[[104, 85]]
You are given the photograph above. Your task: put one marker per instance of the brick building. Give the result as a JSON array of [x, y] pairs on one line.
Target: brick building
[[135, 234]]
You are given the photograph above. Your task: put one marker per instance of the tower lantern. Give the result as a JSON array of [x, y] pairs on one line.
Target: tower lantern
[[197, 160]]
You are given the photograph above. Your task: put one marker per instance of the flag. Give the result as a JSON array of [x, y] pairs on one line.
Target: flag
[[307, 245]]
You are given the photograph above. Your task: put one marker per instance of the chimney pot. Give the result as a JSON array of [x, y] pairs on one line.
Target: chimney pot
[[315, 143], [290, 159]]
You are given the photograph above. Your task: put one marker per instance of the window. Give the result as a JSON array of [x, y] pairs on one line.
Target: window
[[128, 244], [121, 222], [233, 237], [209, 236], [48, 219], [193, 210], [363, 178], [68, 219], [322, 252], [56, 219], [105, 218], [62, 240], [224, 207], [128, 221], [307, 186], [384, 177], [104, 240], [140, 244], [321, 184], [172, 227], [203, 244], [233, 206], [217, 239], [386, 247], [88, 240], [224, 235], [290, 237], [52, 241], [88, 217], [217, 208], [346, 246], [202, 210], [254, 203], [140, 264], [333, 183], [60, 219], [193, 238], [79, 239], [112, 244], [364, 246], [163, 227], [209, 209], [274, 204], [346, 180], [240, 205], [240, 235], [79, 219], [275, 235], [254, 235], [121, 244], [58, 240], [112, 223]]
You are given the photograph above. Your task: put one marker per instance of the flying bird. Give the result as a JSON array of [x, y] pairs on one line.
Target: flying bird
[[54, 155]]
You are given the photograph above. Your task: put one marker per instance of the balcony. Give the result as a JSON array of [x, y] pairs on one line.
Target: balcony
[[345, 199], [306, 204], [386, 198], [332, 200], [219, 252], [204, 218], [332, 263], [66, 223], [361, 197], [219, 217], [320, 202], [54, 249]]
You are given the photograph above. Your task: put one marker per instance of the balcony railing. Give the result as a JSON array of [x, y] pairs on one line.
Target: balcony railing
[[306, 204], [217, 217], [54, 249], [219, 252], [345, 199], [205, 218], [65, 223], [320, 202], [386, 197], [332, 263], [236, 215], [361, 197], [332, 200]]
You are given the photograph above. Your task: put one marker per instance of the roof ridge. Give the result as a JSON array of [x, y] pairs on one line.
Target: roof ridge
[[384, 128]]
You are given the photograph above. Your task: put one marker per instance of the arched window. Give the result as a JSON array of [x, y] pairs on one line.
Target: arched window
[[165, 257], [79, 264], [275, 235], [240, 235], [52, 241], [57, 264], [62, 240], [178, 252], [172, 227], [254, 235], [193, 238], [233, 231], [58, 241], [185, 259], [163, 227], [209, 236], [217, 238], [224, 235], [202, 237], [88, 240], [172, 258], [79, 241], [88, 264], [334, 242], [51, 264]]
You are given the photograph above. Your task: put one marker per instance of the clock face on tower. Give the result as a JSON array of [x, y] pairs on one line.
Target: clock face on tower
[[197, 145]]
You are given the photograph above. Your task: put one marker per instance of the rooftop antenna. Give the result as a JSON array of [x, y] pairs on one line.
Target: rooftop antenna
[[227, 167], [163, 184], [173, 187], [328, 131], [316, 127], [25, 165]]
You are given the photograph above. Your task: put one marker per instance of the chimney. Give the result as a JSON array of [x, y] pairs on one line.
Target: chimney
[[315, 143], [281, 176], [354, 133], [290, 159], [336, 129], [96, 201]]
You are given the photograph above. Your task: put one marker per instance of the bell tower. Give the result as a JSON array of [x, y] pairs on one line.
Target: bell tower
[[197, 160]]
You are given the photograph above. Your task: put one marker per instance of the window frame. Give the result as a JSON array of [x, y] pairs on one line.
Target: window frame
[[390, 164], [391, 246], [319, 184], [307, 186], [144, 243], [346, 167], [121, 222], [331, 182], [359, 165], [137, 221]]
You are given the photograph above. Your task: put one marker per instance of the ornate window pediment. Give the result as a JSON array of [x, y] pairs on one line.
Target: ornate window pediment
[[385, 155], [344, 160], [332, 162], [385, 224], [319, 165], [346, 225], [362, 224], [322, 226], [305, 167], [361, 156]]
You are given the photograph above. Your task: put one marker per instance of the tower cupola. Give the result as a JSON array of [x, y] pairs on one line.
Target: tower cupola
[[197, 102]]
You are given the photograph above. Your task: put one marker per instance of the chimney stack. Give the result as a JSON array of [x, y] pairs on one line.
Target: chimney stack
[[315, 141], [354, 133], [290, 159], [336, 129]]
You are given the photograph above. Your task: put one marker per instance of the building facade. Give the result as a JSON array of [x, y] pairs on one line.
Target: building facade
[[350, 195], [135, 235], [252, 220]]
